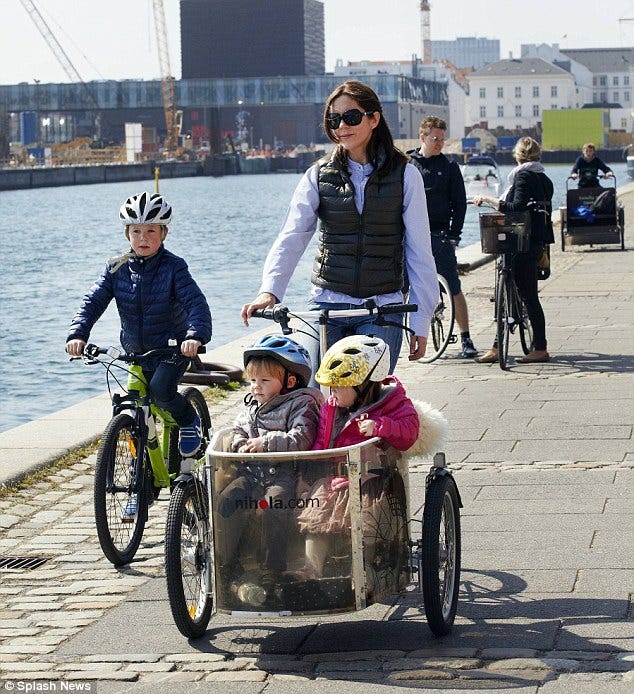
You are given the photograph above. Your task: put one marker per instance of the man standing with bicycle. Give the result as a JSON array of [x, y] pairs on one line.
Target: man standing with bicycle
[[446, 207]]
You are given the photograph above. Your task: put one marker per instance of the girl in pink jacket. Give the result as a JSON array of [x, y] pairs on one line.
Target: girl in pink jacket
[[365, 402]]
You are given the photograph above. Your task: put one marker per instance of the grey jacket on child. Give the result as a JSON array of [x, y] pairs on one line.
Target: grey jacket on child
[[287, 422]]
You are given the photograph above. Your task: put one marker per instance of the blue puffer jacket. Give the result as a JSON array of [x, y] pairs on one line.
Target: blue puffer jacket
[[157, 300]]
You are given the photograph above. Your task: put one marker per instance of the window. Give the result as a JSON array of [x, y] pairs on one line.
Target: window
[[518, 92], [553, 90], [553, 107], [483, 111], [500, 111], [615, 97], [518, 110], [500, 92], [603, 97], [615, 81], [535, 91], [626, 97], [483, 92], [535, 110], [603, 81], [624, 123], [626, 80]]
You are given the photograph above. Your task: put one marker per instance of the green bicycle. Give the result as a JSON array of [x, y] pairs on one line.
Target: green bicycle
[[138, 454]]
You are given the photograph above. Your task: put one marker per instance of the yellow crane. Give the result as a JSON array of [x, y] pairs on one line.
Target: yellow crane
[[173, 117], [62, 59]]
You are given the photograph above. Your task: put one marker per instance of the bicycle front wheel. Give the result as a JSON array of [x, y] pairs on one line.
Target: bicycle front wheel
[[504, 318], [441, 554], [441, 325], [188, 560], [119, 532]]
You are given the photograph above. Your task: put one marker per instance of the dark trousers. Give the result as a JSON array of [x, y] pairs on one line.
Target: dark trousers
[[274, 486], [163, 387], [525, 273]]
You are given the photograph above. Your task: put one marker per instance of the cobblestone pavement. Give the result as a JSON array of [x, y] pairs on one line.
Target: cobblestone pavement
[[544, 462]]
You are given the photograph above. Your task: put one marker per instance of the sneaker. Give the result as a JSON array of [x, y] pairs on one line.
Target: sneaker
[[190, 438], [129, 512], [468, 349]]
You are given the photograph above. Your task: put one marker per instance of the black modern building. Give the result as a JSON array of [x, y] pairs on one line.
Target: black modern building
[[252, 38]]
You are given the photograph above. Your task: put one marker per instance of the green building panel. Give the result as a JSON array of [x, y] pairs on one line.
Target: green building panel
[[570, 129]]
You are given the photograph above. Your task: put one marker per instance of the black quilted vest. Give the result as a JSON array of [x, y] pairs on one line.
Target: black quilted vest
[[360, 254]]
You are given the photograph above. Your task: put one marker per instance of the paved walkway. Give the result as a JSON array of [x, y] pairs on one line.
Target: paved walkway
[[543, 457]]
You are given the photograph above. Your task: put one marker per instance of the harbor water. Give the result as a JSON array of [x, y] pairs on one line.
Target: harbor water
[[56, 240]]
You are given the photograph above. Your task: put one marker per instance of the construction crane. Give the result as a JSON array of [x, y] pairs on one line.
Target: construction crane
[[173, 117], [62, 59]]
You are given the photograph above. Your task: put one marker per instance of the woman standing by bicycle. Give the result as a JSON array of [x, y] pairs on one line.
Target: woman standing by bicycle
[[369, 204], [529, 189]]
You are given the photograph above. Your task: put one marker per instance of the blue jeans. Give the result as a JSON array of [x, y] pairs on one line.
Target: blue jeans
[[338, 328]]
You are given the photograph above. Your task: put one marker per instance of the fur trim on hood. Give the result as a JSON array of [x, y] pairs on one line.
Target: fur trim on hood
[[432, 432]]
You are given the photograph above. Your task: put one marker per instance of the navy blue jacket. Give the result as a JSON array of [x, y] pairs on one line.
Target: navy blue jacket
[[157, 300], [445, 192]]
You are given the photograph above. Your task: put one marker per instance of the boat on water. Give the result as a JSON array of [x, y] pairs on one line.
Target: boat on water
[[481, 176]]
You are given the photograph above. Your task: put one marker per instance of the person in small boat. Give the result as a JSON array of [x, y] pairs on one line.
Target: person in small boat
[[587, 168], [368, 205], [281, 414], [529, 188], [365, 402], [447, 207]]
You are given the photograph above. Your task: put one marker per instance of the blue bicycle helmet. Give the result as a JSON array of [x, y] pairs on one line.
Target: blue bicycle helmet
[[291, 355]]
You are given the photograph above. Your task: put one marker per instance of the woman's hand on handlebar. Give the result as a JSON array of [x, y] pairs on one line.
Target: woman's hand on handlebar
[[417, 347], [189, 348], [75, 347], [479, 200], [263, 300]]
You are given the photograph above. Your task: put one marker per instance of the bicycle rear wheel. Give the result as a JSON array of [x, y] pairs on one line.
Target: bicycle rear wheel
[[114, 484], [504, 318], [188, 560], [526, 328], [441, 554], [442, 322]]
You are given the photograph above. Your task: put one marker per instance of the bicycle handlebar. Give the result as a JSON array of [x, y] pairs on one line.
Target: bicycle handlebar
[[93, 351]]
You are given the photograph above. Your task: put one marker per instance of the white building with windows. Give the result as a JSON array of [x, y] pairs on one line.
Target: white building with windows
[[512, 94]]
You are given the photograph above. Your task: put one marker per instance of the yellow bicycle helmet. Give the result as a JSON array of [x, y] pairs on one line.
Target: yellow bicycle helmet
[[354, 360]]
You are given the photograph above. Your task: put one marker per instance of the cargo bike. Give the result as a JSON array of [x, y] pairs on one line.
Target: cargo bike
[[592, 216], [379, 550]]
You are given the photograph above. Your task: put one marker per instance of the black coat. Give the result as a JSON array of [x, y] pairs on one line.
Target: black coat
[[529, 186]]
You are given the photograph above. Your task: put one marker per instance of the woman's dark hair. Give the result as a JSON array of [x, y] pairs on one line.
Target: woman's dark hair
[[381, 150]]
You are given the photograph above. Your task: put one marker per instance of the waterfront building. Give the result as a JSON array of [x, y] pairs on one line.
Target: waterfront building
[[512, 94], [467, 51], [277, 111], [251, 38]]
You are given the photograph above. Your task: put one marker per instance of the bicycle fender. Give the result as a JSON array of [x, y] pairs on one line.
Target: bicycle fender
[[437, 473]]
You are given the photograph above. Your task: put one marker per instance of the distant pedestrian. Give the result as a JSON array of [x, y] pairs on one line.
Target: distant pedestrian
[[587, 168], [530, 188], [446, 207]]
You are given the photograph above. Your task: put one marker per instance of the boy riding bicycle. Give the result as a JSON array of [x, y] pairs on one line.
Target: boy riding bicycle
[[157, 301]]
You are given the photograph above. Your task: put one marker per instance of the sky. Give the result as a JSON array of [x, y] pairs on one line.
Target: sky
[[115, 39]]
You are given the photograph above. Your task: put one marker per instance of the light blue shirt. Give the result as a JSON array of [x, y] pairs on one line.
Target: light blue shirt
[[300, 225]]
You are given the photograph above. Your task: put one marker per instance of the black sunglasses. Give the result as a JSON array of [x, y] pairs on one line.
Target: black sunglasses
[[351, 117]]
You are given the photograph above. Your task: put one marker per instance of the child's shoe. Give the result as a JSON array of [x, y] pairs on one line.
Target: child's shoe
[[190, 438]]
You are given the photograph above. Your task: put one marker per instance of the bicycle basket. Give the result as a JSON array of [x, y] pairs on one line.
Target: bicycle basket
[[505, 233]]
